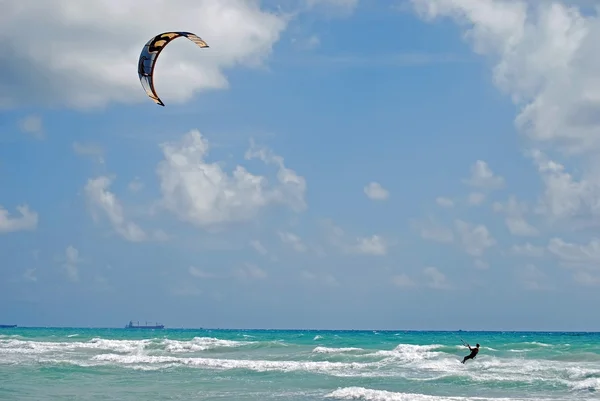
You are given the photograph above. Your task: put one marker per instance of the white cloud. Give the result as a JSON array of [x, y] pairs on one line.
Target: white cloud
[[476, 198], [246, 272], [583, 259], [544, 58], [310, 43], [375, 191], [258, 247], [250, 271], [564, 197], [483, 177], [444, 202], [516, 223], [343, 6], [475, 238], [203, 194], [532, 278], [99, 197], [481, 264], [327, 278], [293, 186], [136, 185], [96, 48], [32, 125], [587, 256], [528, 250], [28, 220], [30, 275], [587, 279], [199, 273], [431, 230], [403, 281], [374, 245], [72, 261], [94, 151], [293, 240], [436, 279]]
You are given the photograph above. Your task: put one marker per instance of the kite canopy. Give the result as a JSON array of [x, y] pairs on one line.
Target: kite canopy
[[150, 54]]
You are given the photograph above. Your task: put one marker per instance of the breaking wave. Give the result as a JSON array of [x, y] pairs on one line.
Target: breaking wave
[[409, 363]]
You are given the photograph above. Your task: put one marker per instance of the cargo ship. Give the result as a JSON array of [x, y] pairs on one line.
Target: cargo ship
[[146, 326], [7, 326]]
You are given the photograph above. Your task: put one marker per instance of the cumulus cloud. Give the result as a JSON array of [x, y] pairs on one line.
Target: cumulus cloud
[[433, 231], [375, 191], [532, 278], [343, 6], [32, 125], [444, 202], [246, 272], [71, 264], [564, 196], [544, 57], [30, 275], [403, 281], [292, 240], [84, 54], [199, 273], [101, 199], [309, 43], [325, 278], [576, 254], [202, 193], [476, 198], [135, 185], [250, 272], [375, 245], [583, 259], [436, 279], [515, 220], [91, 150], [27, 221], [483, 177], [528, 250], [258, 247], [475, 239]]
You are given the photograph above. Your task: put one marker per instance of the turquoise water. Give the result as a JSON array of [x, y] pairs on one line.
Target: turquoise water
[[119, 364]]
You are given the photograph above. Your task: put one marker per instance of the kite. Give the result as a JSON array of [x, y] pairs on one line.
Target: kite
[[150, 54]]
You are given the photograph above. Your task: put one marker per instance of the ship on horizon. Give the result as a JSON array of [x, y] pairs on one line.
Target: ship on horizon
[[146, 326]]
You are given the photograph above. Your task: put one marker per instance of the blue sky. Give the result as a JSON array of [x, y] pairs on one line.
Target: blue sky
[[406, 165]]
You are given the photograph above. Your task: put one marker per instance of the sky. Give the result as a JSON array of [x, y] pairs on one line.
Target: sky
[[326, 164]]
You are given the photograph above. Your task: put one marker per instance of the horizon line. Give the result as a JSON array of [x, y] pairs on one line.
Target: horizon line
[[322, 330]]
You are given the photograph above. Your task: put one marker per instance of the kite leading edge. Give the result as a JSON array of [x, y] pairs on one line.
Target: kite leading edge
[[150, 54]]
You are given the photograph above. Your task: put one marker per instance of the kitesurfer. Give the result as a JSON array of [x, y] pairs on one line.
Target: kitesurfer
[[473, 354]]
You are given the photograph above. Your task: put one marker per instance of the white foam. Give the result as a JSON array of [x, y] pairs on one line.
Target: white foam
[[361, 393], [410, 353], [593, 383], [201, 344], [323, 367], [327, 350], [406, 361], [14, 346]]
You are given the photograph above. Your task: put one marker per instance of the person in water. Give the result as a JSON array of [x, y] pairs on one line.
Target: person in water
[[473, 353]]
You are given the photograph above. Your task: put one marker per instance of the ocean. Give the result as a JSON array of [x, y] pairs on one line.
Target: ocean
[[128, 364]]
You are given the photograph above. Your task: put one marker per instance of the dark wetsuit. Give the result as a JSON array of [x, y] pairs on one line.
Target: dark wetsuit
[[472, 355]]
